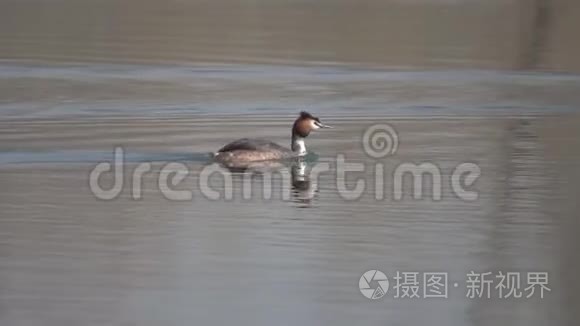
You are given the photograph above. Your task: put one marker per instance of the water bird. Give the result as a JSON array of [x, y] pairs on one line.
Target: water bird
[[245, 151]]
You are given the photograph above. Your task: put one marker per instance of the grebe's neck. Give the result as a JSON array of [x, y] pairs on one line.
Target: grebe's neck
[[298, 146]]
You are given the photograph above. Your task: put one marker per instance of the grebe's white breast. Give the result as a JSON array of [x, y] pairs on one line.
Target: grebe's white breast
[[300, 147]]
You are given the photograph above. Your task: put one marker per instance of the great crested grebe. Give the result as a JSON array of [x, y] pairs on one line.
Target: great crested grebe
[[247, 150]]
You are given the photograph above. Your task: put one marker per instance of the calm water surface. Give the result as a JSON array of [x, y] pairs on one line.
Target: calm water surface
[[70, 258]]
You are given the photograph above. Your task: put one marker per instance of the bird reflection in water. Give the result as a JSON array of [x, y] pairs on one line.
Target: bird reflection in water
[[302, 188]]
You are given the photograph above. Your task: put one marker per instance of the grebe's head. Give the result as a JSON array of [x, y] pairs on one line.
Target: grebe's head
[[305, 123]]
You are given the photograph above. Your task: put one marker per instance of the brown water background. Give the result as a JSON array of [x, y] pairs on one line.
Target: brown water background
[[489, 82], [496, 34]]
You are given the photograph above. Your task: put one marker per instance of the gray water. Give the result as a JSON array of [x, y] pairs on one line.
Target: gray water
[[170, 82]]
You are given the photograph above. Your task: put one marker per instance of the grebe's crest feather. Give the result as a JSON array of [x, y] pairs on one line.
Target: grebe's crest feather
[[305, 123]]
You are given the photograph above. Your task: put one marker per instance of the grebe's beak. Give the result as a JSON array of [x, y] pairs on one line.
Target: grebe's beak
[[321, 125]]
